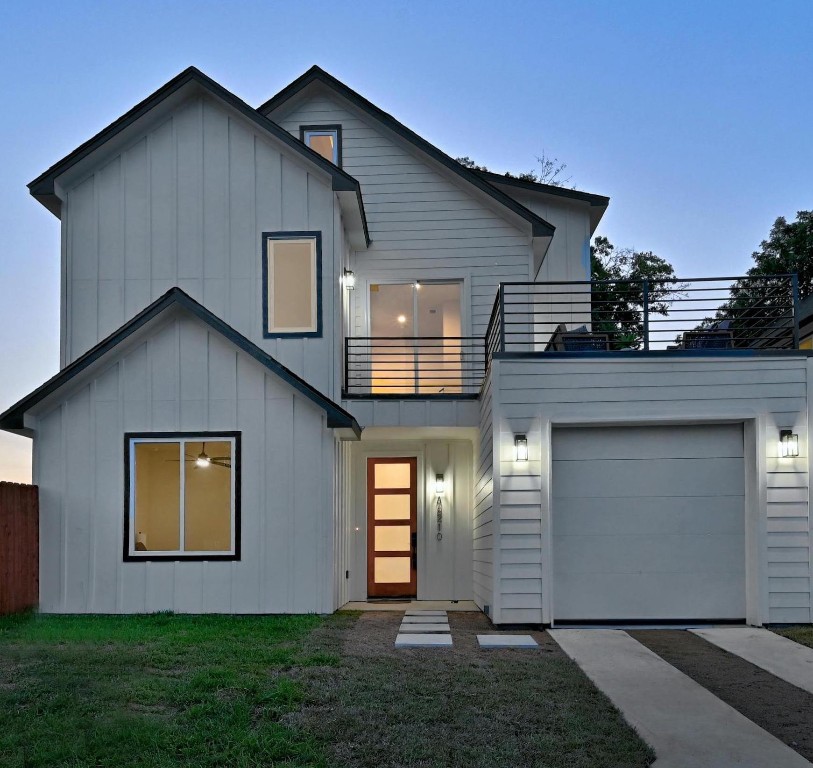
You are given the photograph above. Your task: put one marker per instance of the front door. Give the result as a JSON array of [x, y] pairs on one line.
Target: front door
[[392, 527]]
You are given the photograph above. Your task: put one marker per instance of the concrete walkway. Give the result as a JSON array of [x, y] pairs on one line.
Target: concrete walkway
[[686, 725], [784, 658]]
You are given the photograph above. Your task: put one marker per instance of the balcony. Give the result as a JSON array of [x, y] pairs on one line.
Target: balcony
[[429, 366], [703, 315], [727, 315]]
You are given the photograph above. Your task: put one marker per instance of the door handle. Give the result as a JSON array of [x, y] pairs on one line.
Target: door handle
[[414, 543]]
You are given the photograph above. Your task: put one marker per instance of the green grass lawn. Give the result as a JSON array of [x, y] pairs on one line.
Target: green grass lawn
[[802, 634], [164, 690]]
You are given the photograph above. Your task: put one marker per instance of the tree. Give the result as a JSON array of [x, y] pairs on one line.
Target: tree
[[550, 171], [759, 310], [620, 277], [788, 249]]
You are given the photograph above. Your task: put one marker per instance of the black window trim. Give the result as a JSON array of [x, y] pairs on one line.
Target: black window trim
[[236, 468], [326, 127], [293, 235]]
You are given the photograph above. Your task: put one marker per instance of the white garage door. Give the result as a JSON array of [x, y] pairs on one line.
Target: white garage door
[[648, 523]]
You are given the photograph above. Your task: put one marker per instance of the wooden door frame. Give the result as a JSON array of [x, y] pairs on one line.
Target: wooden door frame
[[395, 590]]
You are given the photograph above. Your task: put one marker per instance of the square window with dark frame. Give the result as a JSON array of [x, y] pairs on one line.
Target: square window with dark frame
[[324, 139], [182, 496], [292, 277]]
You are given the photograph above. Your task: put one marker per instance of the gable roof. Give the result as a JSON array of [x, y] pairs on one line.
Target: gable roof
[[539, 227], [337, 418], [598, 203], [42, 188]]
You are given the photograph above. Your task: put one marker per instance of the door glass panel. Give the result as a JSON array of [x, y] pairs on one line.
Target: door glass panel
[[439, 318], [391, 319], [391, 476], [392, 506], [392, 570], [392, 538]]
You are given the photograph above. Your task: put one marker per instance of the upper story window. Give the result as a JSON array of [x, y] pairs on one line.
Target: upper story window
[[183, 496], [292, 284], [324, 139]]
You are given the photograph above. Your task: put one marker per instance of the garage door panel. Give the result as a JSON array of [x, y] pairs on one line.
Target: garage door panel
[[634, 553], [648, 523], [652, 597], [649, 515], [609, 478], [701, 441]]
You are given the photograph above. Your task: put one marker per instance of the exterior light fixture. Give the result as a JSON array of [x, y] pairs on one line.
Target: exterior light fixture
[[440, 485], [520, 448], [417, 285], [788, 444], [349, 279]]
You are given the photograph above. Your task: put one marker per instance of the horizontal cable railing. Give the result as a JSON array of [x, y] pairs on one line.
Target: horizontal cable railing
[[727, 313], [421, 366]]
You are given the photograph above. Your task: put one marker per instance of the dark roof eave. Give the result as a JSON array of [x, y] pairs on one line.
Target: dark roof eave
[[13, 420], [317, 74], [42, 188], [599, 201]]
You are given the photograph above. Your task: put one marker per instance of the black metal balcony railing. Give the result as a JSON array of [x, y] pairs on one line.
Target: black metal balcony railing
[[422, 366], [705, 314], [713, 314]]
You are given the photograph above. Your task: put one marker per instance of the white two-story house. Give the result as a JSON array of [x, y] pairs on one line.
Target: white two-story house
[[307, 358]]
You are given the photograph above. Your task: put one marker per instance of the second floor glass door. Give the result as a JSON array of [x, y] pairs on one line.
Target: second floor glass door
[[416, 330]]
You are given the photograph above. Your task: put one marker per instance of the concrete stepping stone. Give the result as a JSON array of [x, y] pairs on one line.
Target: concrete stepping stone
[[416, 612], [429, 640], [423, 628], [425, 620], [506, 641]]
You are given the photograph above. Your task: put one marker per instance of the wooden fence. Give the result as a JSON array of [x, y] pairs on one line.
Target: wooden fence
[[19, 547]]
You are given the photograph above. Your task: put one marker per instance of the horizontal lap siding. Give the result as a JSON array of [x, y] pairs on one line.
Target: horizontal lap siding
[[186, 206], [184, 377], [424, 224], [530, 391], [483, 521]]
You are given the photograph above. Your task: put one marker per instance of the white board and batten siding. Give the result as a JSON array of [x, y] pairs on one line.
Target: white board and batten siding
[[425, 223], [186, 205], [182, 376], [536, 396]]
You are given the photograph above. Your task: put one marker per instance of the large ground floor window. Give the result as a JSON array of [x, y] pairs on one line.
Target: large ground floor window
[[182, 496]]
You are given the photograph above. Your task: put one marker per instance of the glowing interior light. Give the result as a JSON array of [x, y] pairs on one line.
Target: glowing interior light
[[203, 460], [402, 319]]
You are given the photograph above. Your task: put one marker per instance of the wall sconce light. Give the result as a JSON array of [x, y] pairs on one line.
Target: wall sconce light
[[349, 279], [520, 448], [788, 444], [440, 485]]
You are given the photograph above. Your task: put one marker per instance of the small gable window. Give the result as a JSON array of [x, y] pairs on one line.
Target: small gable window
[[292, 277], [324, 139]]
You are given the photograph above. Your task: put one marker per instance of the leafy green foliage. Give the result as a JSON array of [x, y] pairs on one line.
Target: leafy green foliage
[[621, 277], [760, 308]]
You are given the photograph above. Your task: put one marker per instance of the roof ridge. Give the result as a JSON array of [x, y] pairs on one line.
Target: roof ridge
[[315, 72]]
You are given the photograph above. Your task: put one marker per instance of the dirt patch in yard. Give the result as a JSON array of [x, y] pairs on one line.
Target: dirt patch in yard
[[780, 708], [458, 706]]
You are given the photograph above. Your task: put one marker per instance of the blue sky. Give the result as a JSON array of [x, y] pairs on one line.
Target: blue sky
[[694, 117]]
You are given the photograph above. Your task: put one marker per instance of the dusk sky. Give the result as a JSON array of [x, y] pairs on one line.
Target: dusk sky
[[694, 117]]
